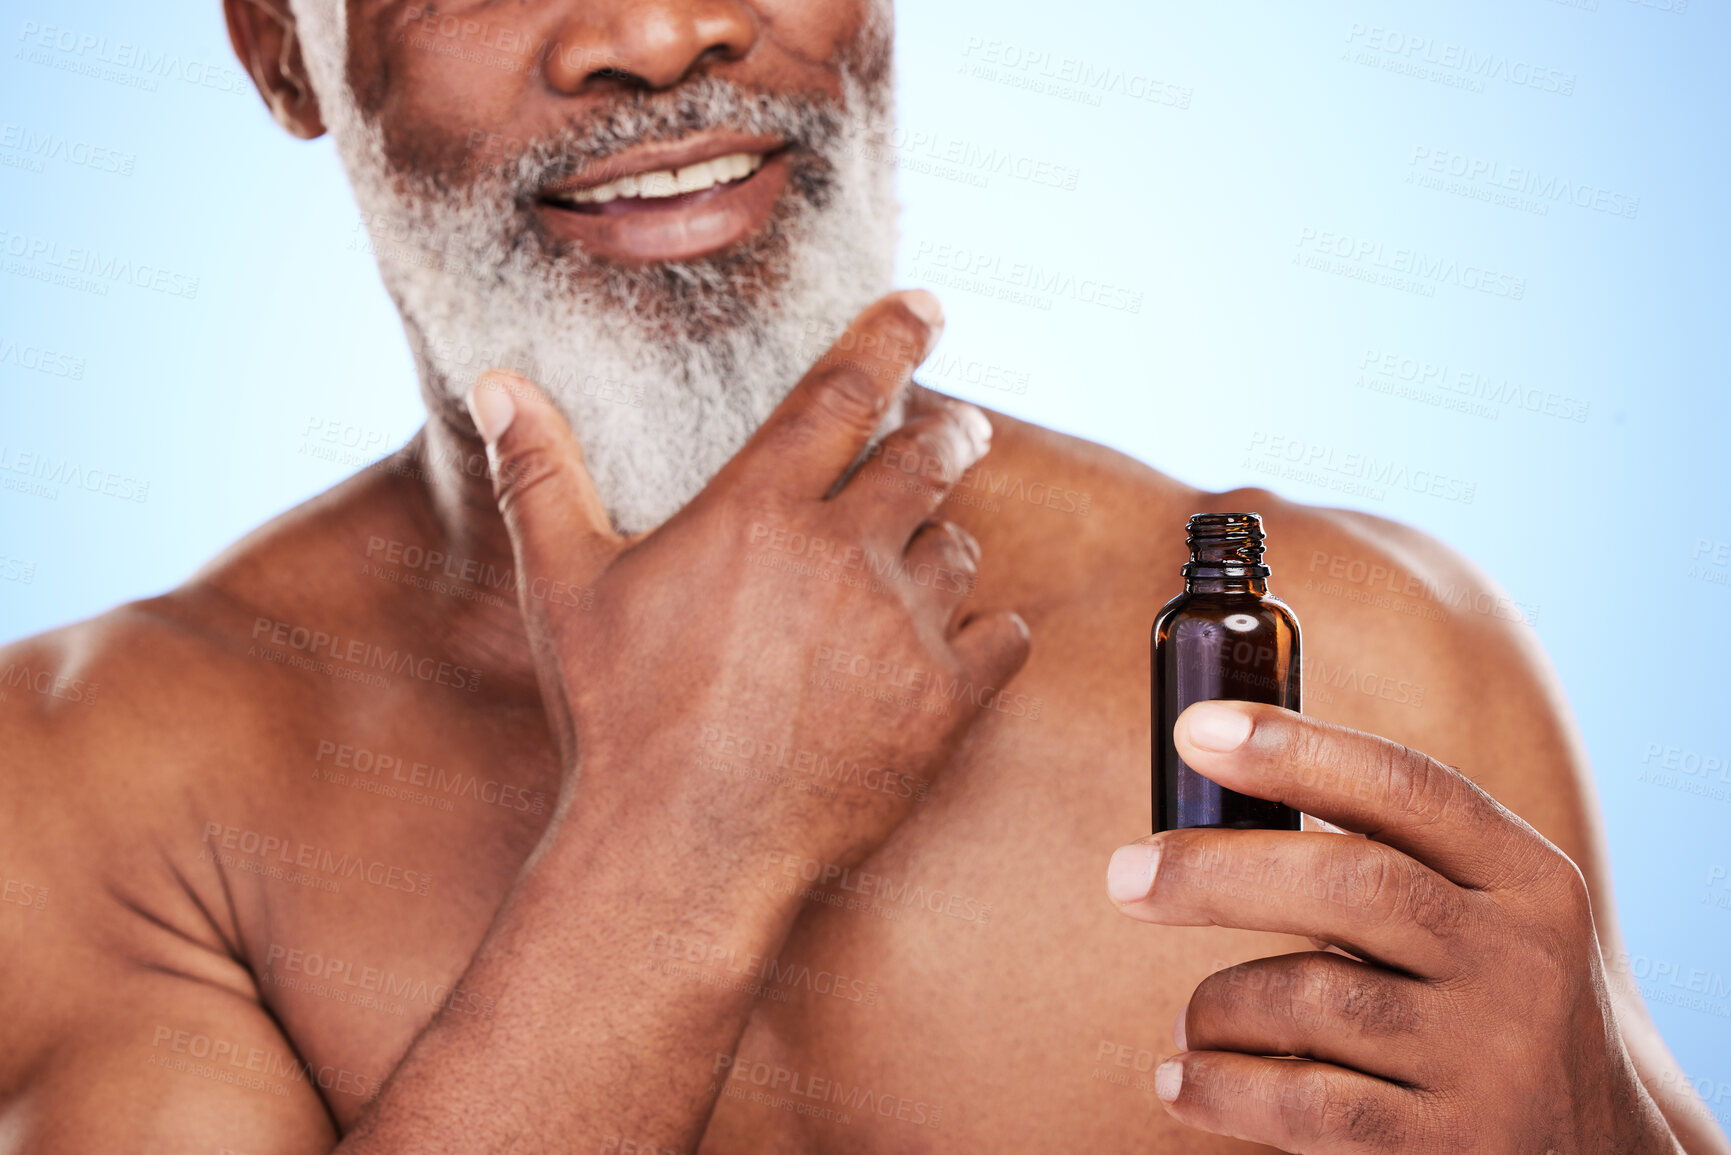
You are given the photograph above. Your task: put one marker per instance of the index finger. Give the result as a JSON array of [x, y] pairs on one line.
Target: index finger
[[820, 428], [1360, 782]]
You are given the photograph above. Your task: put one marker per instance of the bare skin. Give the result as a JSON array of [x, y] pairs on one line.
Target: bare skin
[[556, 851]]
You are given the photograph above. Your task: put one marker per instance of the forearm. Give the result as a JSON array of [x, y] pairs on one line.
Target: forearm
[[588, 1040]]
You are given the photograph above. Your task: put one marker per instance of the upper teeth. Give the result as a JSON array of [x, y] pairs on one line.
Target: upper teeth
[[669, 182]]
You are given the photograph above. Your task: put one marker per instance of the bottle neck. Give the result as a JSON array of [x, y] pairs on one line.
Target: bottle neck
[[1219, 582], [1225, 555]]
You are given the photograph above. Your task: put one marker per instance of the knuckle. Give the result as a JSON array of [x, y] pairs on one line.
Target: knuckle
[[970, 428], [1187, 858], [969, 543], [1570, 883], [1366, 879], [1291, 996], [1568, 901], [902, 335], [526, 471], [915, 462], [1298, 752], [1532, 865], [1003, 648], [847, 393], [1364, 1121], [1319, 1109], [1315, 987], [958, 547], [1416, 785], [1361, 997], [1224, 991], [937, 452], [1305, 1106], [1395, 890], [903, 459], [1432, 908]]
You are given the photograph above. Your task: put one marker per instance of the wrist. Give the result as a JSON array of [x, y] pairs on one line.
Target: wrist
[[681, 860], [681, 791]]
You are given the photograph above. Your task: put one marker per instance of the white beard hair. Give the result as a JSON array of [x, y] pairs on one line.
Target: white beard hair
[[665, 372]]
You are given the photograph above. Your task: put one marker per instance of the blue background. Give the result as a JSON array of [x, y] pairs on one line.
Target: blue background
[[1192, 157]]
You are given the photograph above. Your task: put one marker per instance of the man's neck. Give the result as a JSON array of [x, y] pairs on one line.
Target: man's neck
[[453, 470], [448, 505]]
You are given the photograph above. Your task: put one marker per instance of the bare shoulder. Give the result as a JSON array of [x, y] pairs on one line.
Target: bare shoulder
[[89, 709], [151, 697], [121, 705], [121, 729], [1403, 635], [125, 958], [112, 726], [1407, 638]]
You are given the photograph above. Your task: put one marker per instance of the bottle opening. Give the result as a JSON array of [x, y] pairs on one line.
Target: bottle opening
[[1225, 545]]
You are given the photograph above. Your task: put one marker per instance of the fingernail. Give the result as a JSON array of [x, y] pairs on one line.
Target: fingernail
[[491, 408], [924, 306], [1168, 1079], [1130, 874], [1178, 1027], [1212, 726]]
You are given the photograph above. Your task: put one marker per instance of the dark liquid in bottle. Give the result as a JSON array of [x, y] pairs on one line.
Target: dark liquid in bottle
[[1223, 637]]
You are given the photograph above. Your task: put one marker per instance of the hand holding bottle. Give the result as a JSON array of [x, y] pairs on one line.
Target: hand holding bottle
[[1475, 1015]]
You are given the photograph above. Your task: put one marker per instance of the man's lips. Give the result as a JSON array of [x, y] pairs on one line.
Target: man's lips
[[674, 227], [661, 187], [673, 154], [667, 202]]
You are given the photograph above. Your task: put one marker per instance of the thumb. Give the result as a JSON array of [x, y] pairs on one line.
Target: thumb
[[560, 532]]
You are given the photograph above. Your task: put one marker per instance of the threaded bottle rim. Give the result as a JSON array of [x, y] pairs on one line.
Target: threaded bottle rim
[[1225, 545]]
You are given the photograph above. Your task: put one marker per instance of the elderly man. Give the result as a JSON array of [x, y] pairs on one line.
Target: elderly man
[[700, 737]]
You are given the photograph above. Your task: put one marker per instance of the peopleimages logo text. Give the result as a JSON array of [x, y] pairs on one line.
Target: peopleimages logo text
[[112, 268], [1421, 267], [88, 50]]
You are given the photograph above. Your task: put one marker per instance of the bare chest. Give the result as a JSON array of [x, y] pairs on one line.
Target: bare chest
[[967, 984]]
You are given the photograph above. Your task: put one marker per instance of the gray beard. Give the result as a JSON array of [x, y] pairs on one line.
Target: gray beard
[[663, 371]]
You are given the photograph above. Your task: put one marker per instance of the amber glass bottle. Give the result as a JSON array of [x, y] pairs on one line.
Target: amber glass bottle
[[1223, 637]]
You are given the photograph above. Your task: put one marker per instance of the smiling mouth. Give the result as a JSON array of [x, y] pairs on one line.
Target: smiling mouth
[[672, 200], [665, 188]]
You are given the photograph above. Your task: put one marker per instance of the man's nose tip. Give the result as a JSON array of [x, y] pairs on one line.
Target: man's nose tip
[[654, 42]]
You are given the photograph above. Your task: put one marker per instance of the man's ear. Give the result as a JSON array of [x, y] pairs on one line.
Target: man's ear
[[264, 37]]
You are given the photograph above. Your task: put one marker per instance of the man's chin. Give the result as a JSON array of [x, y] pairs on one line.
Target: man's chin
[[666, 334]]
